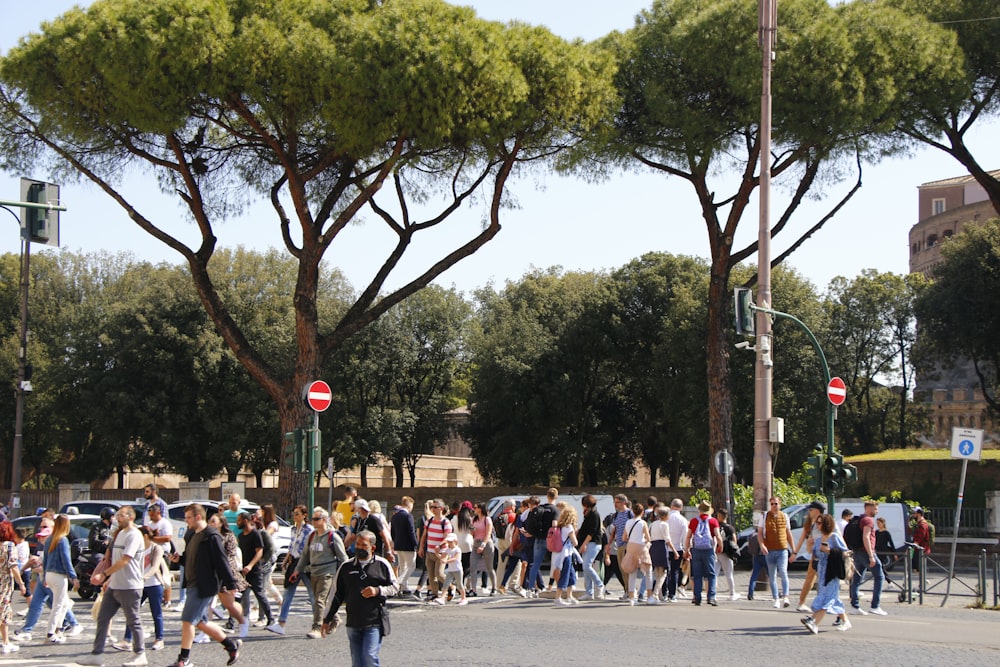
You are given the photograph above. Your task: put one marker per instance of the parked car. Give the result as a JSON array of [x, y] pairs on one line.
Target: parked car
[[175, 513], [896, 517], [95, 507], [79, 528]]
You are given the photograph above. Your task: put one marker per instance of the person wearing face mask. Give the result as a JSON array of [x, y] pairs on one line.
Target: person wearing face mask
[[363, 584]]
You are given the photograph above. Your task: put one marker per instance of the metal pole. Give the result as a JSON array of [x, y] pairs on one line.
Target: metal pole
[[329, 494], [312, 456], [958, 520], [763, 373], [22, 363]]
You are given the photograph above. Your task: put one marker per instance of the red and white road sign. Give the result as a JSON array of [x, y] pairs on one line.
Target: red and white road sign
[[836, 391], [318, 395]]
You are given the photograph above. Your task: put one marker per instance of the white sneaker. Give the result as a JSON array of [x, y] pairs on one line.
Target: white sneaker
[[624, 597], [22, 637], [202, 638], [599, 593], [785, 602], [777, 603], [681, 593], [138, 661], [314, 634], [91, 660], [844, 625], [561, 602], [9, 648], [804, 608], [74, 630], [735, 596], [157, 645], [573, 600], [167, 606], [878, 611], [858, 610], [652, 600], [585, 597], [810, 624], [23, 612], [277, 628], [244, 628], [122, 646], [57, 638], [631, 602]]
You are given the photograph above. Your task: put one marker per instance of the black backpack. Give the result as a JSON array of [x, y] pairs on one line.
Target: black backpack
[[852, 533]]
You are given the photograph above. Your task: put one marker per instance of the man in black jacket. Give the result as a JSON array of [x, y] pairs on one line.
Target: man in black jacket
[[206, 572], [363, 584]]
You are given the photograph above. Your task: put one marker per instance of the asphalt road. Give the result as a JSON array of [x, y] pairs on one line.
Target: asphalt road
[[509, 632]]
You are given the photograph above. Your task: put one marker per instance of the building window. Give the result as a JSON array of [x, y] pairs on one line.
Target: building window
[[937, 206], [932, 240], [946, 234], [916, 249]]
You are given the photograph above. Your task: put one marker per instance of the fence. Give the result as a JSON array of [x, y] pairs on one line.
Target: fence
[[975, 521]]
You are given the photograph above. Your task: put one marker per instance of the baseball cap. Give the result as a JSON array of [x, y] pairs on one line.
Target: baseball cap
[[361, 505]]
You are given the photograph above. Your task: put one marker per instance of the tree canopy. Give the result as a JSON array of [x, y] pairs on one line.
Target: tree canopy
[[400, 111]]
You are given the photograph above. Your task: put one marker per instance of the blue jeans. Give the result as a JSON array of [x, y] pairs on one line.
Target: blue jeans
[[592, 580], [703, 567], [286, 601], [540, 549], [878, 578], [777, 563], [155, 596], [759, 565], [40, 598], [365, 644]]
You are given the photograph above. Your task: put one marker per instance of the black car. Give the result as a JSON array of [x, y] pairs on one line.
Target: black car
[[79, 528]]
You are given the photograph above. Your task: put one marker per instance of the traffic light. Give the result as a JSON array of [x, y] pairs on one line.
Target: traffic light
[[833, 470], [743, 303], [295, 451], [849, 473], [815, 463], [40, 225]]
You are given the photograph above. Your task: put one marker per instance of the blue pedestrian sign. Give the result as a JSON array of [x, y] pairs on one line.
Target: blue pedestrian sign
[[967, 443]]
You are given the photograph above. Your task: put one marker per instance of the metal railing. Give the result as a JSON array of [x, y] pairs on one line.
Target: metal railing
[[975, 521]]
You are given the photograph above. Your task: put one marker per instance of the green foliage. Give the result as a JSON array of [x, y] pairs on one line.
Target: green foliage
[[869, 340], [792, 491], [957, 312]]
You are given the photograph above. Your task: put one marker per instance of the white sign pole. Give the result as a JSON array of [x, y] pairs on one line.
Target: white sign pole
[[966, 443]]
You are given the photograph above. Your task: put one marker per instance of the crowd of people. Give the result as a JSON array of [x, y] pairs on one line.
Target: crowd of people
[[356, 556]]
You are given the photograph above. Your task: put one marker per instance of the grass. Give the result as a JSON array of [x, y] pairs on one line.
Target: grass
[[917, 455]]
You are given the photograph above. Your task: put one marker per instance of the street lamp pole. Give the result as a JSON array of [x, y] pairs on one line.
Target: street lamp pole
[[768, 20], [22, 366]]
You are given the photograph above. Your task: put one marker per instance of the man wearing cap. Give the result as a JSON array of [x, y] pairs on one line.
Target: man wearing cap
[[703, 539], [921, 534], [810, 531], [374, 524], [775, 536]]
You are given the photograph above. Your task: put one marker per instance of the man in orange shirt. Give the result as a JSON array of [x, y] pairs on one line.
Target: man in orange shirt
[[775, 536]]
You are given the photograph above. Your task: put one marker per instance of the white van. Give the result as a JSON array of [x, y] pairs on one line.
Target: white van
[[896, 515]]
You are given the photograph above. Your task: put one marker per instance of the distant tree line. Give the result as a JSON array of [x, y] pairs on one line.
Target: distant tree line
[[576, 376]]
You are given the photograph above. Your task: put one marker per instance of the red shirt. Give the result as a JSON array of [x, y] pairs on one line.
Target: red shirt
[[713, 525], [922, 535]]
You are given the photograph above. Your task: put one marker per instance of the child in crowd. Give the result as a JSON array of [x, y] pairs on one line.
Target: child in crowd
[[451, 556], [567, 572], [10, 574]]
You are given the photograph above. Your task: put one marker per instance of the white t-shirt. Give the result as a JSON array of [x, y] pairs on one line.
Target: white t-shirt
[[635, 536], [128, 543], [455, 565], [162, 528], [660, 530]]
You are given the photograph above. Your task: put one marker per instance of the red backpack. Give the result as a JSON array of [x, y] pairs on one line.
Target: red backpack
[[554, 540]]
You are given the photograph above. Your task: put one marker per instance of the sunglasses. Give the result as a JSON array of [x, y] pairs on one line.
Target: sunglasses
[[317, 518]]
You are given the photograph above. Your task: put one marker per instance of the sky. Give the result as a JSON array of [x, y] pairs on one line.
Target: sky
[[559, 220]]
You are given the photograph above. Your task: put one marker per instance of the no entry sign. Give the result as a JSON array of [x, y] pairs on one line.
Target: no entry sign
[[318, 395], [836, 391]]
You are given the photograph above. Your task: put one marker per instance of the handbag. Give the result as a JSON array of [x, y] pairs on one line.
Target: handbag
[[95, 609], [630, 563]]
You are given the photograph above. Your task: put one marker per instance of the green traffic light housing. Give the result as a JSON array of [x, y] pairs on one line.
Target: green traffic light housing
[[743, 303], [295, 452]]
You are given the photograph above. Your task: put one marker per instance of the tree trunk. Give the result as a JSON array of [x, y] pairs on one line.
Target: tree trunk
[[397, 466], [364, 475], [121, 476], [720, 407]]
